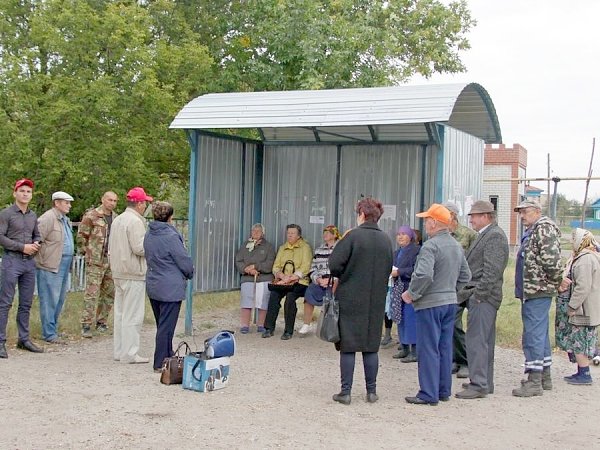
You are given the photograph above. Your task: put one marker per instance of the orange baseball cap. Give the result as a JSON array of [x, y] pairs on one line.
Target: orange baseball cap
[[23, 182], [437, 212]]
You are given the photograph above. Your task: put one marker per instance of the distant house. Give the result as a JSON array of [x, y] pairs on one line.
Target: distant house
[[533, 193]]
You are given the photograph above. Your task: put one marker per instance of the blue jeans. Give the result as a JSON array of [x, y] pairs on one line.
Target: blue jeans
[[52, 290], [536, 337]]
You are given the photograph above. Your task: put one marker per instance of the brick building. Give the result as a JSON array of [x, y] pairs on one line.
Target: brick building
[[503, 163]]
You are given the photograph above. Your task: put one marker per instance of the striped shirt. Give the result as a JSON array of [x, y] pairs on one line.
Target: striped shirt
[[320, 266]]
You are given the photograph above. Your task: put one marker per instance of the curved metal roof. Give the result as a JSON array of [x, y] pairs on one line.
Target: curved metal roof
[[381, 114]]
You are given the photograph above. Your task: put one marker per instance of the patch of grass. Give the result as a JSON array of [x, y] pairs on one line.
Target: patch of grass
[[509, 326], [70, 318]]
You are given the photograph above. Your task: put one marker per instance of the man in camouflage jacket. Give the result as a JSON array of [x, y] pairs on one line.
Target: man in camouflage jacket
[[465, 237], [538, 273], [92, 241]]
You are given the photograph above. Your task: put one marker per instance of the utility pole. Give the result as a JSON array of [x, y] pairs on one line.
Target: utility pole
[[548, 188]]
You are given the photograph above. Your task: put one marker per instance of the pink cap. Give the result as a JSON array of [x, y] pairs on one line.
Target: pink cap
[[137, 194]]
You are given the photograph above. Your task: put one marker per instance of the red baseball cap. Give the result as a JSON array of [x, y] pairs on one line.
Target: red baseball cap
[[137, 194], [23, 182]]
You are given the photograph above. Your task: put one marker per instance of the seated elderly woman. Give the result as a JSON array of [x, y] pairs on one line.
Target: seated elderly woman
[[169, 268], [291, 268], [254, 260], [319, 276]]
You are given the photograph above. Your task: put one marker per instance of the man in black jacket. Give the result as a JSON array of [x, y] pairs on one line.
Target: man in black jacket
[[487, 258]]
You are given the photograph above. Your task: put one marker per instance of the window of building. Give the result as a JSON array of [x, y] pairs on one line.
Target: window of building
[[494, 201]]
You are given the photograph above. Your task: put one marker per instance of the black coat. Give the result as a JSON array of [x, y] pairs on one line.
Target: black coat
[[362, 261]]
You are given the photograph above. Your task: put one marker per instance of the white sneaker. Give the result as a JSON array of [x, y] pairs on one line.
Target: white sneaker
[[305, 329], [137, 359]]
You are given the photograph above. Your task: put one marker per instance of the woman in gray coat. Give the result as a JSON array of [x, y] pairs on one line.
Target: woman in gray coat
[[254, 261], [362, 261]]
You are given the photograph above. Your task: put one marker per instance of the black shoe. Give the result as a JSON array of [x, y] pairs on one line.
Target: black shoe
[[455, 368], [418, 401], [286, 336], [29, 346], [344, 399], [403, 352], [267, 333], [101, 327], [444, 399], [3, 353], [371, 397]]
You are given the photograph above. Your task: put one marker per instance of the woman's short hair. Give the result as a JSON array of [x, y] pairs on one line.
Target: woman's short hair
[[259, 226], [297, 227], [162, 211], [372, 209]]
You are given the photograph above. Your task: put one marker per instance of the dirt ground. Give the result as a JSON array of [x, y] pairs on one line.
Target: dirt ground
[[279, 396]]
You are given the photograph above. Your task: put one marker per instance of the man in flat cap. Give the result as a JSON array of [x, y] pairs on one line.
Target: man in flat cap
[[441, 269], [487, 258], [128, 267], [20, 237], [465, 237], [538, 274], [53, 263]]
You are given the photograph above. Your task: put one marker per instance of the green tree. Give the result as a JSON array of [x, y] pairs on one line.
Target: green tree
[[87, 90]]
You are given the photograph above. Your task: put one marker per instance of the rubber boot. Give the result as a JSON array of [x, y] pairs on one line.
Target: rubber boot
[[387, 338], [530, 388], [404, 351], [546, 379], [412, 355]]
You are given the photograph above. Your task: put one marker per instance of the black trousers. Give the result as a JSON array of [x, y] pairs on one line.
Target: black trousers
[[370, 366], [290, 309], [459, 353], [165, 315]]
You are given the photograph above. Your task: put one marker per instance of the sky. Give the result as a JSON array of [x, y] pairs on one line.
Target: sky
[[540, 63]]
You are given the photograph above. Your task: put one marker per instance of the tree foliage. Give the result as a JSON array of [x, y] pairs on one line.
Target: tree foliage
[[89, 87]]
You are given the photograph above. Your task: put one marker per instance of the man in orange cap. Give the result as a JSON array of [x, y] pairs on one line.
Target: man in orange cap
[[128, 267], [20, 238], [441, 267]]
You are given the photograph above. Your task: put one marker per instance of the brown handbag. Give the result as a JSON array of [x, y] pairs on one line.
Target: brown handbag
[[172, 367]]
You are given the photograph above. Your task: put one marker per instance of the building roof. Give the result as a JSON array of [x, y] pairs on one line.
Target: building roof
[[532, 190], [383, 114]]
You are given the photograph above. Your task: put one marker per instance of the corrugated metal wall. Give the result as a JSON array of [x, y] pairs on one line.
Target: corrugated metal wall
[[298, 183], [391, 173], [462, 170], [223, 209]]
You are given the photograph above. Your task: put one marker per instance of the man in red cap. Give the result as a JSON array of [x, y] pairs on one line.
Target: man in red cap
[[441, 267], [20, 238], [128, 267]]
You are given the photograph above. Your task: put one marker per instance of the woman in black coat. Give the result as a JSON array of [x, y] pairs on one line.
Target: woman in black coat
[[169, 268], [362, 261]]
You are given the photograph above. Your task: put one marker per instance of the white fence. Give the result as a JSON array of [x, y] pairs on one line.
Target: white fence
[[77, 276]]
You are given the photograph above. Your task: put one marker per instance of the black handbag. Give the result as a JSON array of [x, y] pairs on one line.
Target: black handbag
[[279, 285], [328, 327], [172, 367]]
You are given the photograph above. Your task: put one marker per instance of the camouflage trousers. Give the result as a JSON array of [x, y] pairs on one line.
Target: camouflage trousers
[[99, 295]]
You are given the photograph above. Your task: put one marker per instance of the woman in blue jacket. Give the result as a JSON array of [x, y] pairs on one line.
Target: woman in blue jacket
[[169, 268]]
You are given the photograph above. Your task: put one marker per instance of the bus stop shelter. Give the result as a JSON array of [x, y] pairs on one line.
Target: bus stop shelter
[[306, 157]]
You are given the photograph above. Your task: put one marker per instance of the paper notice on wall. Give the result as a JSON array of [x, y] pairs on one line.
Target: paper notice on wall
[[316, 219], [389, 212]]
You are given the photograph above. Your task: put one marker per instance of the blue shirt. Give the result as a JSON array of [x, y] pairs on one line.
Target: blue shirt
[[69, 246]]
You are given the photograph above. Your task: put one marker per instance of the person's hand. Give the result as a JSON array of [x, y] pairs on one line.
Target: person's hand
[[323, 282], [280, 276], [31, 249], [564, 285], [407, 298], [570, 312]]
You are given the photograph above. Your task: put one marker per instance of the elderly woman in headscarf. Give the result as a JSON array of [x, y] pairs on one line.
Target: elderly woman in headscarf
[[319, 276], [254, 260], [578, 305], [402, 313]]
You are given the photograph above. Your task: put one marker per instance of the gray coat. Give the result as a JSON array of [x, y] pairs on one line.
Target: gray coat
[[362, 260], [487, 258], [262, 257], [441, 269], [585, 290]]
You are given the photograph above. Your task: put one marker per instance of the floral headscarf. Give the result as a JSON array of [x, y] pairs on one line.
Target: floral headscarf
[[583, 239], [333, 230]]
